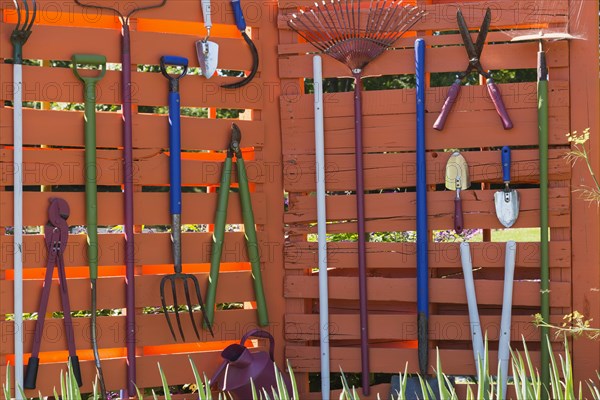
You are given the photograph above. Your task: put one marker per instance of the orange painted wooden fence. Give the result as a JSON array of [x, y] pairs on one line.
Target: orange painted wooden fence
[[389, 156], [278, 125]]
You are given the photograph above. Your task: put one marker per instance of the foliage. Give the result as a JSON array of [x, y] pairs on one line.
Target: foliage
[[579, 152], [574, 324]]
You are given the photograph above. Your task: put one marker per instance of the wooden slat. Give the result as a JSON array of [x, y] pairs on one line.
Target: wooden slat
[[65, 167], [233, 287], [439, 59], [395, 170], [395, 211], [151, 249], [444, 291], [152, 330], [304, 255], [148, 89], [394, 327], [150, 208], [150, 130]]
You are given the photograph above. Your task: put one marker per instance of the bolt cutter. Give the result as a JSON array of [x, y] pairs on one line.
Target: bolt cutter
[[249, 229], [56, 232], [474, 53]]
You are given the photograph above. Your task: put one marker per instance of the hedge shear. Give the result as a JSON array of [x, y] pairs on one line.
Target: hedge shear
[[474, 52], [249, 229], [56, 232]]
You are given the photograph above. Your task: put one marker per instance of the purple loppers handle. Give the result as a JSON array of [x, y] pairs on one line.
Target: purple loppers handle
[[447, 107], [499, 104], [458, 215]]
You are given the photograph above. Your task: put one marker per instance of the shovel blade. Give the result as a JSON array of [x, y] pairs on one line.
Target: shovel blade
[[507, 207], [457, 172], [208, 57]]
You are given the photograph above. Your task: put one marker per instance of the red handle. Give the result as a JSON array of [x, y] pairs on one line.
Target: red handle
[[458, 215], [447, 107], [494, 92]]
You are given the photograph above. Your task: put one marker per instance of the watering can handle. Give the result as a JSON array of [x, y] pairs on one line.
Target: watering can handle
[[264, 335]]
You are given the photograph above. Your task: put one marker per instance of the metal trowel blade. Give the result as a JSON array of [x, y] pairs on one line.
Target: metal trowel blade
[[507, 206], [208, 57]]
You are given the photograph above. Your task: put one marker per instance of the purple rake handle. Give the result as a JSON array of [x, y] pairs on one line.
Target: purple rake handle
[[458, 214], [130, 338], [447, 107], [362, 251], [496, 97]]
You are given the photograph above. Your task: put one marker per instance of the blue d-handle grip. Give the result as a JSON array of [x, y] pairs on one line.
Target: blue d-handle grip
[[175, 60], [506, 163], [175, 153], [238, 14]]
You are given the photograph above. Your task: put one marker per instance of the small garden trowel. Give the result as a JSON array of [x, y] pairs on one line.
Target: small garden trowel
[[457, 178], [208, 52], [507, 200]]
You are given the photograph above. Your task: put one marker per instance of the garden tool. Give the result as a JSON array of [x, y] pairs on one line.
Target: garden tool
[[321, 226], [474, 53], [240, 22], [457, 178], [507, 200], [175, 203], [504, 345], [543, 121], [56, 233], [91, 190], [476, 335], [234, 149], [128, 182], [337, 29], [207, 51], [18, 38]]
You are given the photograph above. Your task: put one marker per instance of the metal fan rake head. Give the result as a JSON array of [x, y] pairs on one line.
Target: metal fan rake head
[[353, 33], [185, 278]]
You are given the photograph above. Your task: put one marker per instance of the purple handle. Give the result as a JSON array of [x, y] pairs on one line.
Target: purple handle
[[499, 104], [458, 215], [447, 107], [261, 334]]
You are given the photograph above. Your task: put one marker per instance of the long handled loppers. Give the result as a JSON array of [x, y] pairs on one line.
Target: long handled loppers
[[175, 203], [91, 190], [234, 149], [56, 232], [18, 38], [128, 182]]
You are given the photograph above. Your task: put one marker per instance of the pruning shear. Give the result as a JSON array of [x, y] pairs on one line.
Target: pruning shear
[[474, 53], [56, 232], [240, 22]]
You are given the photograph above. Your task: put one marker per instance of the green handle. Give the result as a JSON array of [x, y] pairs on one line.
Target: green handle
[[544, 256], [218, 238], [252, 243], [91, 190]]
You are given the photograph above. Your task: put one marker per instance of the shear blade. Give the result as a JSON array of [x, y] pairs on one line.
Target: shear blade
[[208, 57]]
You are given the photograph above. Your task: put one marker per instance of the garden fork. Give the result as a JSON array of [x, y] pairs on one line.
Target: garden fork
[[175, 202], [18, 39]]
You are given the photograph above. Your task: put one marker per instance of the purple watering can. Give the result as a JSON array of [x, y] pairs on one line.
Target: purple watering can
[[240, 366]]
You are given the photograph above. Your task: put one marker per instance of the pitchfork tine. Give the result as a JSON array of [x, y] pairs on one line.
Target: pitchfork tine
[[189, 304], [33, 15], [176, 306], [203, 309], [164, 307]]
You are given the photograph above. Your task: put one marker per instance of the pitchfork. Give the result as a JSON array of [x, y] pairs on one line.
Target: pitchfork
[[175, 200], [18, 39]]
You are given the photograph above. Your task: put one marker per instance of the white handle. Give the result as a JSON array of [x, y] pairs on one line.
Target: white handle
[[476, 335], [321, 226], [206, 14], [504, 345]]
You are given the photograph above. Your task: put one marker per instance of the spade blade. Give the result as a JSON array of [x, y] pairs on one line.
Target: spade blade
[[208, 57], [507, 206]]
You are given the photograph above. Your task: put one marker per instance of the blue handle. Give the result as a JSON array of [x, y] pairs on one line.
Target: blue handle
[[175, 60], [506, 163], [175, 153], [240, 21], [422, 235]]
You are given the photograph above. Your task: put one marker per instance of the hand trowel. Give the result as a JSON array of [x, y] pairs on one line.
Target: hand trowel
[[208, 52], [457, 178], [507, 200]]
